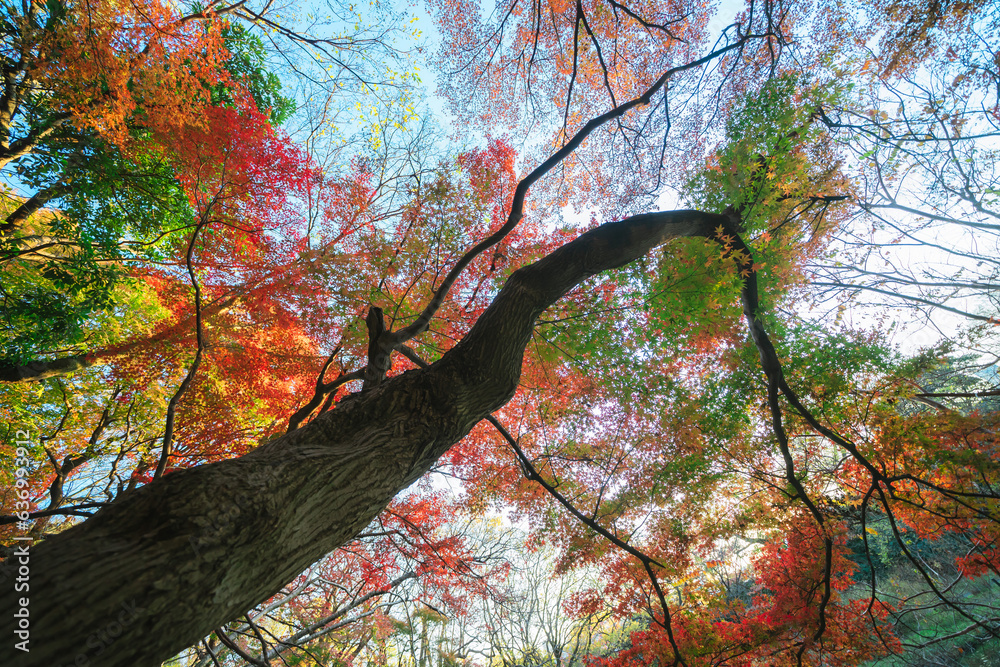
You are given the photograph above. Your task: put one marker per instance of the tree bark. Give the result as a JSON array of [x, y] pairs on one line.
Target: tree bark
[[163, 565], [29, 207], [39, 370]]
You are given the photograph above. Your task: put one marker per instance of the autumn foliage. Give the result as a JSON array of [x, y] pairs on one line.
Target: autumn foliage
[[756, 476]]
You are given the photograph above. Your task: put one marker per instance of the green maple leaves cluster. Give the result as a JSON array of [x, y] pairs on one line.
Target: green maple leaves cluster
[[112, 210]]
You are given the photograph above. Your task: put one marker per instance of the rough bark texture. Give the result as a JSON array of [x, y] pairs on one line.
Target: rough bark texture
[[165, 564]]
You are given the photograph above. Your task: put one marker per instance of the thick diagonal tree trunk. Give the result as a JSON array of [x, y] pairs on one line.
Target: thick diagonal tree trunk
[[165, 564]]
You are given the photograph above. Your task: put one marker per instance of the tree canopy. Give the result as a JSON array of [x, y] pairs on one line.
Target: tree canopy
[[654, 333]]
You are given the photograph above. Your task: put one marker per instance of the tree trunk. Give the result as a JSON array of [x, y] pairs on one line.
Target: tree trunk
[[163, 565]]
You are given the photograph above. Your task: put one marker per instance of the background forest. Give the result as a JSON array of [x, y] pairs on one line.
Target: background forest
[[753, 400]]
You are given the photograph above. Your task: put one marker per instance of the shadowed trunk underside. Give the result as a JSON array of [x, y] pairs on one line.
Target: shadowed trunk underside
[[164, 565]]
